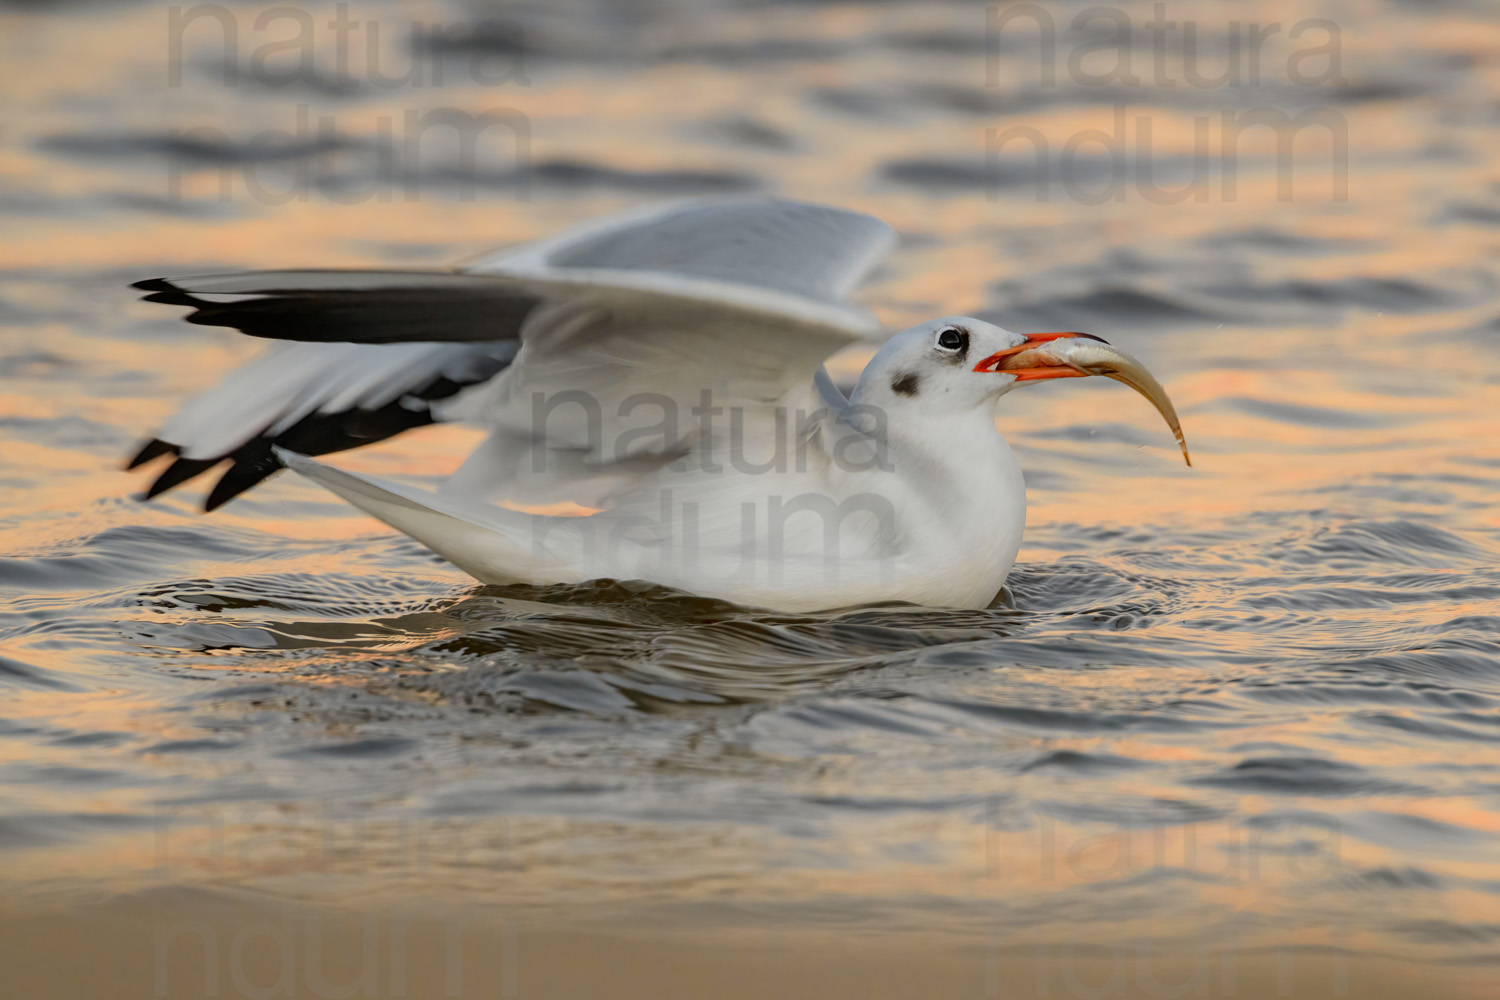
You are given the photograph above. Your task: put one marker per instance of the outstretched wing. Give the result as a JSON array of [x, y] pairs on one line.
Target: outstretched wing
[[372, 363], [765, 253], [313, 399], [691, 335], [740, 297]]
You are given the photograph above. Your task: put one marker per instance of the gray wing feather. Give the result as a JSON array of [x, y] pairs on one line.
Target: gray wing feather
[[402, 343], [272, 393], [791, 247]]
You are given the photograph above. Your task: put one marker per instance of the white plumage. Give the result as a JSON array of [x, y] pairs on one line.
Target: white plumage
[[663, 368]]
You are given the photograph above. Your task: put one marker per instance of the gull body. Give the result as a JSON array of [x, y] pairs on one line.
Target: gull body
[[656, 405], [891, 495]]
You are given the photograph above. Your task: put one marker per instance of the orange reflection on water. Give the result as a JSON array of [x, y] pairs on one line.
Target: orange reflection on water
[[1282, 413]]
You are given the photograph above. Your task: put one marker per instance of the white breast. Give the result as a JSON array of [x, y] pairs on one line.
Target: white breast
[[938, 523], [965, 508]]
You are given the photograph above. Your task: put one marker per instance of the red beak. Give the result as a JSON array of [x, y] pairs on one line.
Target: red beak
[[1026, 366]]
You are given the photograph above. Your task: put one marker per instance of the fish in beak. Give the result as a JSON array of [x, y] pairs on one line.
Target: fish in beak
[[1074, 355]]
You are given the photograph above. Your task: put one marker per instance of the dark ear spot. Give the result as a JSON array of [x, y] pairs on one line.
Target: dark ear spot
[[906, 383]]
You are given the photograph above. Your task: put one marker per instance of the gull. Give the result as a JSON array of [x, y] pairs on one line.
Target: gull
[[657, 407]]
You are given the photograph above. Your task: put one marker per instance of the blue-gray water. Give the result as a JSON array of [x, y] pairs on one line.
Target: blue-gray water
[[1245, 717]]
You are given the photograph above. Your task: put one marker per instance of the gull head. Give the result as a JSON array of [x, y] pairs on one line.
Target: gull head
[[958, 365]]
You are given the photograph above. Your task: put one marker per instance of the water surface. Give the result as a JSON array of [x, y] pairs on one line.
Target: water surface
[[1236, 724]]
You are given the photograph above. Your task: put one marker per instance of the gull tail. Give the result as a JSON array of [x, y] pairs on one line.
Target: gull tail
[[490, 543]]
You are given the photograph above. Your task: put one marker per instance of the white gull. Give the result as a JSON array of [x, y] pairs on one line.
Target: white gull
[[662, 370]]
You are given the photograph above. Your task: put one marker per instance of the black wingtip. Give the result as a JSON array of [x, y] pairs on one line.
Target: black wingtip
[[155, 448], [244, 474], [220, 496], [178, 473], [174, 298], [164, 291]]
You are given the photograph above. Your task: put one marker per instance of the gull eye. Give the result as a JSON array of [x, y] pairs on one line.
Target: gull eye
[[953, 339]]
